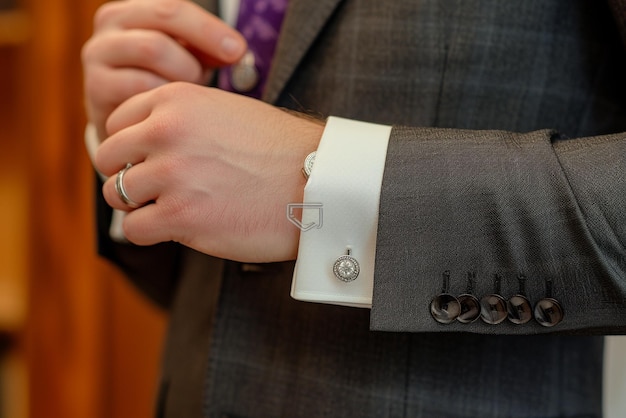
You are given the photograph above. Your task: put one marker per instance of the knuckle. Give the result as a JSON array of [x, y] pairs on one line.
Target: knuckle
[[164, 129], [104, 91], [163, 93], [150, 48], [107, 193], [132, 232], [174, 89], [96, 49], [103, 165], [175, 92], [167, 8], [87, 52], [140, 83], [106, 13], [178, 202], [130, 86], [91, 87], [94, 81], [179, 212]]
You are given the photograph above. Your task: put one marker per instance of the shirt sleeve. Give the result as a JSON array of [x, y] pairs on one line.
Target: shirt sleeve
[[340, 213]]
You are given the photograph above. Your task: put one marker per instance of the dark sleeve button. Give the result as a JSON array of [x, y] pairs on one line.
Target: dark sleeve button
[[519, 309], [493, 306], [470, 308], [548, 312], [493, 309], [445, 308]]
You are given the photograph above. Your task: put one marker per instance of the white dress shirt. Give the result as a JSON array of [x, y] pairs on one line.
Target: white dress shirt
[[345, 182]]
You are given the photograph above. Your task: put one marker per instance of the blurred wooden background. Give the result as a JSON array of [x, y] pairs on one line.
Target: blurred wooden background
[[75, 340]]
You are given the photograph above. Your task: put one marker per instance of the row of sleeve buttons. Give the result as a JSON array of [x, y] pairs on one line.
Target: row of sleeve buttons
[[493, 308]]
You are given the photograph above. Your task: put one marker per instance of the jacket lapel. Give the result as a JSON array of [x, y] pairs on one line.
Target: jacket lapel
[[303, 21]]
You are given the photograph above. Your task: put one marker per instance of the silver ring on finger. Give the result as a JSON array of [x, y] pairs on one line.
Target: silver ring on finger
[[121, 190]]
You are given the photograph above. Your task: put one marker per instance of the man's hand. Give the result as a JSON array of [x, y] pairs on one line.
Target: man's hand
[[138, 45], [218, 170]]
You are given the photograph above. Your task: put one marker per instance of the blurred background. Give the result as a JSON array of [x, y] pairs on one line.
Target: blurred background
[[76, 341]]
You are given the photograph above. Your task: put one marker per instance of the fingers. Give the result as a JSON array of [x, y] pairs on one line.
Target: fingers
[[129, 140], [138, 183], [143, 125], [142, 44], [150, 225], [143, 49], [107, 89], [153, 221], [129, 146], [131, 112], [140, 229], [211, 38]]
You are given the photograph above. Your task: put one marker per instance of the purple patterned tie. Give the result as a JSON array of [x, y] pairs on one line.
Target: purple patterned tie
[[259, 21]]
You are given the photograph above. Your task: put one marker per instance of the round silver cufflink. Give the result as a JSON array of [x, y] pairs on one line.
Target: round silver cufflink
[[244, 75], [346, 268], [309, 161]]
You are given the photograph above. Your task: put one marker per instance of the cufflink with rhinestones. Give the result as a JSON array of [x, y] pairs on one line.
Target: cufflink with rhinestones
[[308, 165], [346, 268]]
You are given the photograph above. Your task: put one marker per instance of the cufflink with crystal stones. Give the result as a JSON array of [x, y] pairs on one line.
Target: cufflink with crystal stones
[[308, 165], [346, 268]]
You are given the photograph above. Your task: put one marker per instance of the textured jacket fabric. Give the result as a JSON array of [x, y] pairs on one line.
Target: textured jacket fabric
[[480, 176]]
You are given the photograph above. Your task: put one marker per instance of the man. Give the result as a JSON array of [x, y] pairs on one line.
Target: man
[[528, 222]]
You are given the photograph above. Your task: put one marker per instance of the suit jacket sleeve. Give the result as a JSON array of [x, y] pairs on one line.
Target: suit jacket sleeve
[[496, 202], [488, 202]]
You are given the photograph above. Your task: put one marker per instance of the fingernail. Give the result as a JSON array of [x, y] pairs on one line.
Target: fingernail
[[231, 46]]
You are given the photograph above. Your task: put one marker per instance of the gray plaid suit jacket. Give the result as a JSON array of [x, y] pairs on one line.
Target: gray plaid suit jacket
[[479, 176]]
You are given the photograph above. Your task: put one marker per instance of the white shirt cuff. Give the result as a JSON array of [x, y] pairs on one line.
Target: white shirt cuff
[[341, 199], [116, 232]]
